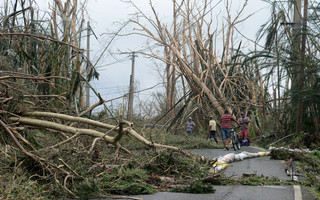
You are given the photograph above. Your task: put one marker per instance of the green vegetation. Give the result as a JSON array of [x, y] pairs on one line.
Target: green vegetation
[[144, 172], [255, 180], [308, 165], [17, 184]]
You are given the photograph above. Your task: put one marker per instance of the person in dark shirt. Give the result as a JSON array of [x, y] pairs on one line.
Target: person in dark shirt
[[244, 127], [190, 125], [225, 128]]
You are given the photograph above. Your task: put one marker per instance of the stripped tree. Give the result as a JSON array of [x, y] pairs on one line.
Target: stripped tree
[[218, 80]]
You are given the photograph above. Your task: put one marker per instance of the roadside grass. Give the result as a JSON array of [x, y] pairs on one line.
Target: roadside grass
[[198, 140], [256, 180]]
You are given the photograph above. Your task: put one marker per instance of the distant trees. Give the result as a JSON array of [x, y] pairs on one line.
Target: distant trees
[[292, 47], [217, 80], [279, 80], [48, 48]]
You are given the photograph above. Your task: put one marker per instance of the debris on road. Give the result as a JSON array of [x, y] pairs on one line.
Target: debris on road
[[291, 150], [221, 162]]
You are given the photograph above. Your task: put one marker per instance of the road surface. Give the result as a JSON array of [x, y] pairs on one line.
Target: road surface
[[259, 166]]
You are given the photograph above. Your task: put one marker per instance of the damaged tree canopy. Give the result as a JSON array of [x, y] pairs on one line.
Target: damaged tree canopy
[[41, 95], [218, 81], [50, 136], [17, 118]]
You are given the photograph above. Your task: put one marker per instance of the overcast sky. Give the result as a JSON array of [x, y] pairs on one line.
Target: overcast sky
[[115, 68]]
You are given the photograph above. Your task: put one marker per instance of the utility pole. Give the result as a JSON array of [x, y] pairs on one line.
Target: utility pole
[[88, 65], [297, 82], [131, 89], [173, 75], [301, 75]]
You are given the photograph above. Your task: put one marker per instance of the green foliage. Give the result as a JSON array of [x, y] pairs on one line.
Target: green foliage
[[33, 140], [197, 187], [131, 175], [256, 180], [309, 164], [124, 181], [130, 188], [17, 185], [313, 182], [311, 160], [87, 189], [172, 163], [283, 155], [315, 155]]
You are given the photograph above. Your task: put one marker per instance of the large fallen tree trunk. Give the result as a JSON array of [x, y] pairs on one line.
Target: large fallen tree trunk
[[25, 120]]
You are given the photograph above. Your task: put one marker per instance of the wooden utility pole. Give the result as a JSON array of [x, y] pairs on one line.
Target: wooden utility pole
[[131, 90], [88, 65], [301, 68], [298, 82]]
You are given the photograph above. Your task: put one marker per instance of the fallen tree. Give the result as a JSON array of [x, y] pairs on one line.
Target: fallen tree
[[80, 131]]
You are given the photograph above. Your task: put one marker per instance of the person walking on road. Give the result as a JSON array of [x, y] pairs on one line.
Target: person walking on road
[[190, 126], [244, 128], [212, 129], [225, 128]]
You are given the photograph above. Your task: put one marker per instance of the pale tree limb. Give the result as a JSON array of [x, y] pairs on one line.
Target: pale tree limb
[[98, 138], [74, 172], [90, 132], [65, 141], [60, 127], [152, 145], [69, 118], [100, 102]]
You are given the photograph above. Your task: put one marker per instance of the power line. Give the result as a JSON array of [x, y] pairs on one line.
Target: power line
[[114, 87], [108, 64]]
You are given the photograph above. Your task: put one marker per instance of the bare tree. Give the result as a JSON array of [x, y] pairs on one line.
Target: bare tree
[[217, 82]]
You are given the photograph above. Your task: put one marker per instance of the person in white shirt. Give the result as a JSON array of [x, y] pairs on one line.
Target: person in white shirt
[[190, 126]]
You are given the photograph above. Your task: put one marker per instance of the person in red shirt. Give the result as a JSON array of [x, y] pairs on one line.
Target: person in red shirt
[[225, 128]]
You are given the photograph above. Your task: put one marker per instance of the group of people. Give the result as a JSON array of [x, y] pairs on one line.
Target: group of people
[[226, 119]]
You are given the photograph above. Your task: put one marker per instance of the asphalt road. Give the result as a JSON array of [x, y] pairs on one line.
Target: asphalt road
[[259, 166], [229, 193]]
